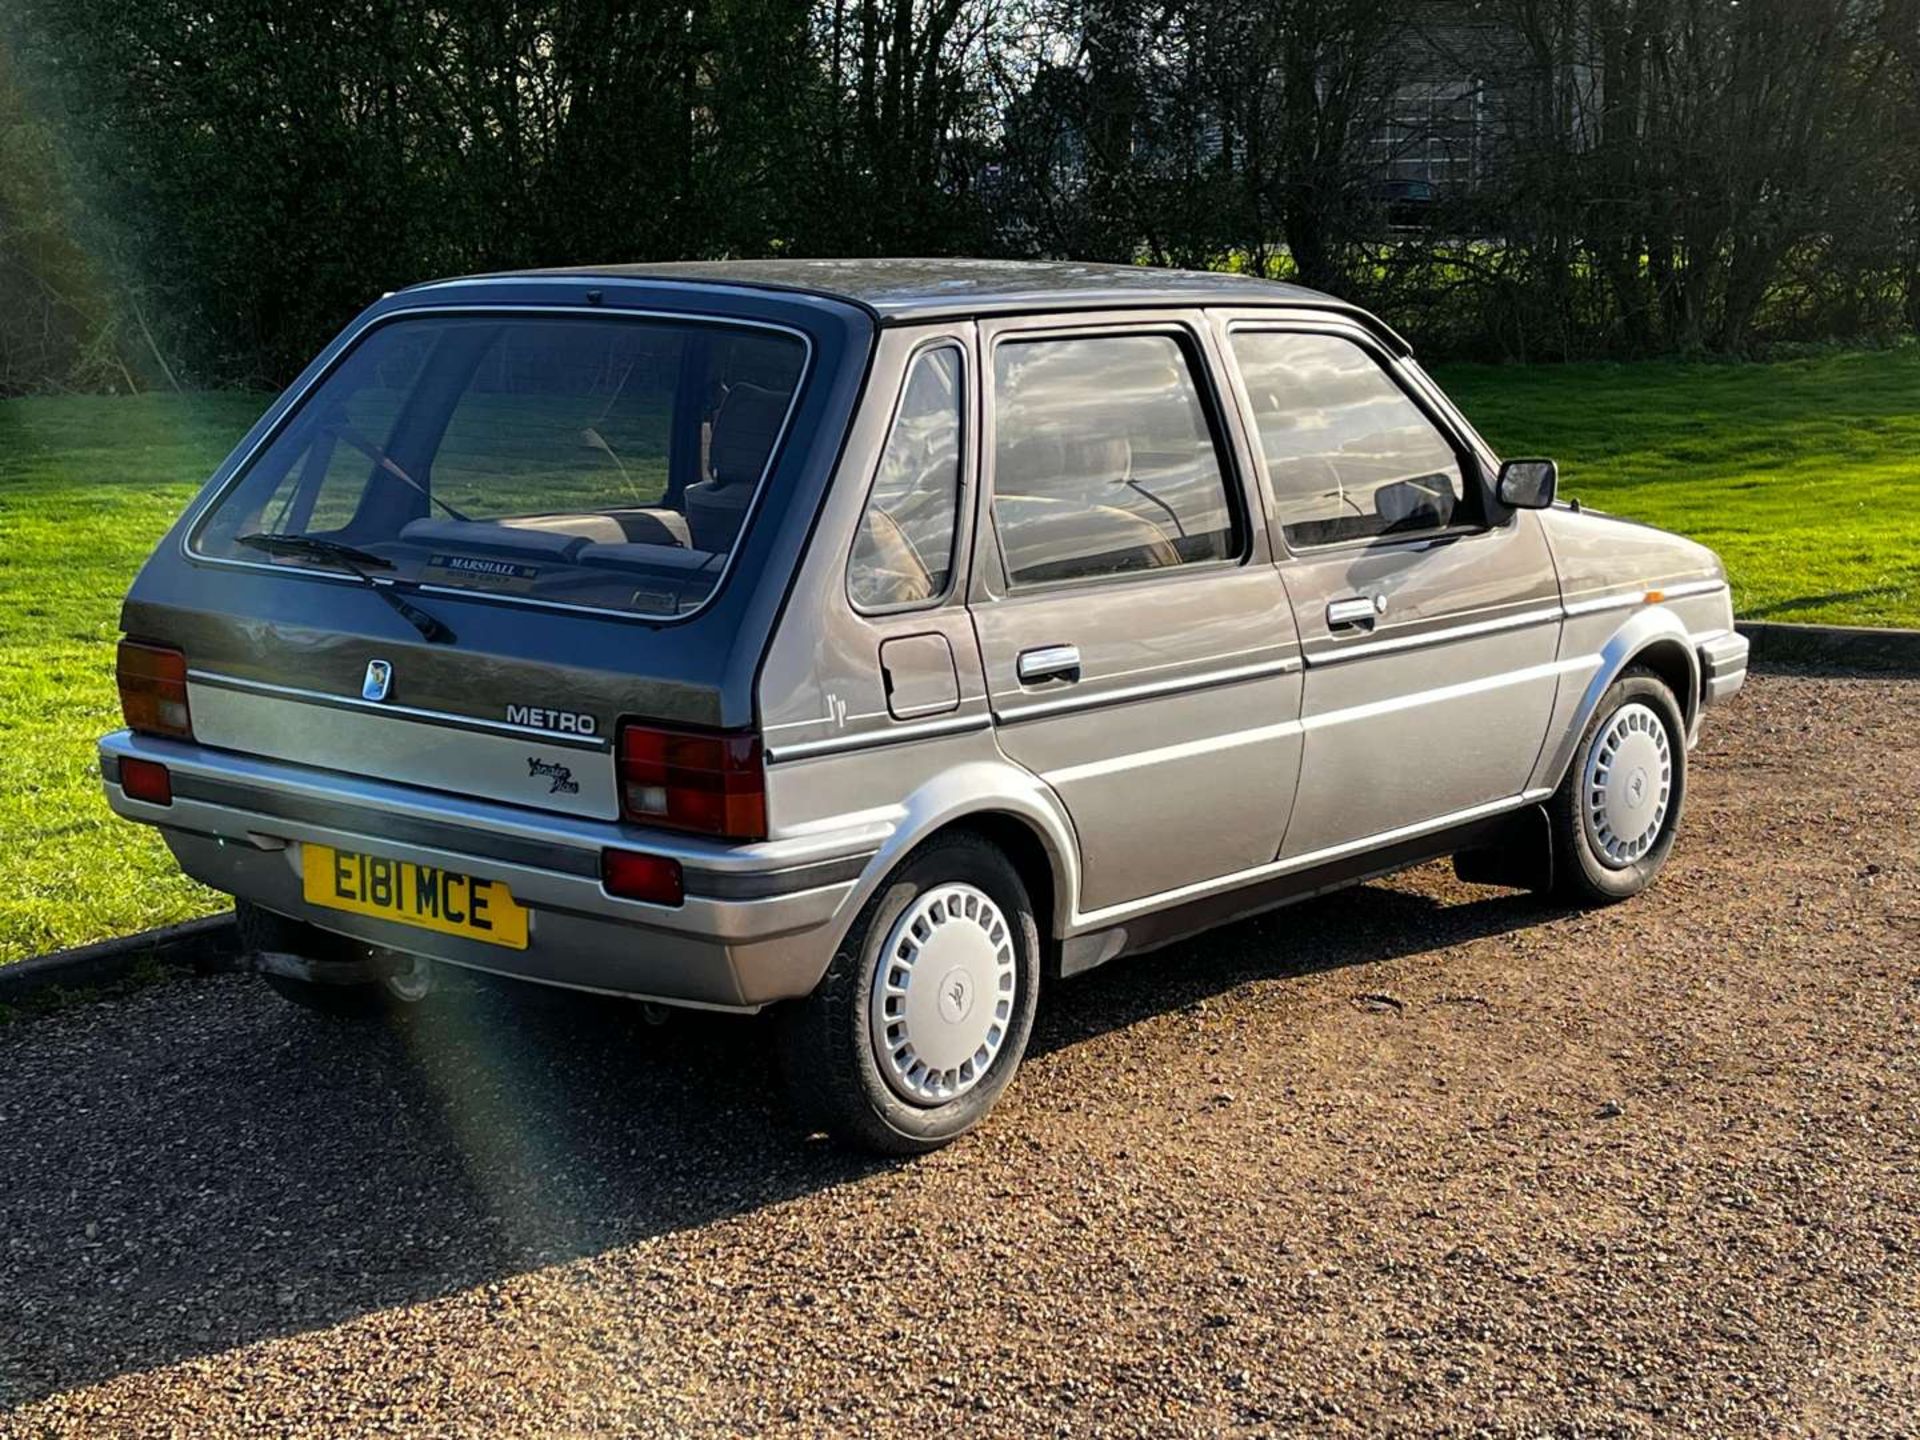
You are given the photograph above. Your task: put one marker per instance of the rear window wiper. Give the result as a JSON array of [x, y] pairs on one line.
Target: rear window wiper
[[358, 562], [313, 547]]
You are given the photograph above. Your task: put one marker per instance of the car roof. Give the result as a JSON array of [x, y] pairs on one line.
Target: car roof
[[906, 291]]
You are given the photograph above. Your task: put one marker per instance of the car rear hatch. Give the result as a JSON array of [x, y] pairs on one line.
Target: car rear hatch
[[476, 540]]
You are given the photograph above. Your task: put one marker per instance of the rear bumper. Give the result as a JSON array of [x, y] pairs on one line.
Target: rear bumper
[[759, 922], [1723, 666]]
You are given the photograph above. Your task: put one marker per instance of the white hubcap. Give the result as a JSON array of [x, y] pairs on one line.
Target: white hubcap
[[1629, 776], [943, 994]]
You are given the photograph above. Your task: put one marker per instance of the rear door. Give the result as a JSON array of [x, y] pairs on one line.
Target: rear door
[[1139, 652], [1429, 622]]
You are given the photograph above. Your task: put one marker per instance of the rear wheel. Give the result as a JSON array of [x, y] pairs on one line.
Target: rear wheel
[[327, 973], [924, 1013], [1615, 816]]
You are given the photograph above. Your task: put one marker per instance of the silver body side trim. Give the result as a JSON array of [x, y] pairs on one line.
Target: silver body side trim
[[405, 712], [883, 714], [1069, 703], [1436, 637], [1620, 600], [1184, 751], [1412, 699], [1253, 735], [1691, 587], [873, 739]]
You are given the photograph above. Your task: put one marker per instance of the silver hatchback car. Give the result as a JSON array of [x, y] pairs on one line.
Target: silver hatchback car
[[879, 641]]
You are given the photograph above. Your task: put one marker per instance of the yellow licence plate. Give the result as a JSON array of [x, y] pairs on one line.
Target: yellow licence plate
[[419, 895]]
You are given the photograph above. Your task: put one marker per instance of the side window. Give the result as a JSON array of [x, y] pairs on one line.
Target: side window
[[1104, 462], [1351, 457], [903, 551]]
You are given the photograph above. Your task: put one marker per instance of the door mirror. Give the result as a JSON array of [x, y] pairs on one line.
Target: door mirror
[[1528, 484]]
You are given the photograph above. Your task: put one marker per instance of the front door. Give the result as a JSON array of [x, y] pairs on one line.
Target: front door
[[1139, 650], [1429, 621]]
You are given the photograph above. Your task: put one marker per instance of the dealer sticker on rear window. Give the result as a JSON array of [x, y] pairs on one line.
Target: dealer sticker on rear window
[[478, 570]]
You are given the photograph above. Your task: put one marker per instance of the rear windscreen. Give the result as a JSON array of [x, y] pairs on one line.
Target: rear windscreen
[[600, 462]]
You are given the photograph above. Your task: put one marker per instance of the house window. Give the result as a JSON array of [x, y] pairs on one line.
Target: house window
[[1432, 132]]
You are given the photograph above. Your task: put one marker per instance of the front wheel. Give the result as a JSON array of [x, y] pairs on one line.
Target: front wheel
[[1615, 816], [924, 1013]]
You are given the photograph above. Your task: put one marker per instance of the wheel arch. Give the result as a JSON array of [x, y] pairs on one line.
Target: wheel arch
[[1007, 807], [1675, 663], [1017, 839], [1652, 639]]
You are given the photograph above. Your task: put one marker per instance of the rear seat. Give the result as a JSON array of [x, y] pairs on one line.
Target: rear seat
[[643, 525], [496, 537], [640, 554], [560, 536]]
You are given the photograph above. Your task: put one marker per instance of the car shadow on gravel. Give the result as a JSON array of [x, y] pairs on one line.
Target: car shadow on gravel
[[199, 1166], [1362, 926]]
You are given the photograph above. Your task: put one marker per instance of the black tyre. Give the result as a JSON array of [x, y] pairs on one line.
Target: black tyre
[[1614, 818], [921, 1019], [396, 985]]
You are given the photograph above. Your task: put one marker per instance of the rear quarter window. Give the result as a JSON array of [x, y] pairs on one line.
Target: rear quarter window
[[903, 551]]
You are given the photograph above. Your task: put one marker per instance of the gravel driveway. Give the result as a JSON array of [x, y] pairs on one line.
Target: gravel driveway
[[1418, 1156]]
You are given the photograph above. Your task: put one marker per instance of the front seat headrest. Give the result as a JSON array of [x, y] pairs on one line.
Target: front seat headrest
[[1102, 457], [744, 432]]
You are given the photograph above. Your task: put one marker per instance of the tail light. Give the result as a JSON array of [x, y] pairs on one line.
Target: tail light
[[712, 782], [153, 690]]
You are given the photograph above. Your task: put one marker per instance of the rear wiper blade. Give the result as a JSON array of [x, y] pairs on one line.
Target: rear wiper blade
[[275, 543], [358, 562]]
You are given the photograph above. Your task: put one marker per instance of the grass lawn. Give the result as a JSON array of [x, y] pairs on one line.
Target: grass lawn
[[87, 484], [1805, 475]]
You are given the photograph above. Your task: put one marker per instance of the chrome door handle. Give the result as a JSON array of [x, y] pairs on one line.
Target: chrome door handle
[[1049, 662], [1355, 610]]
